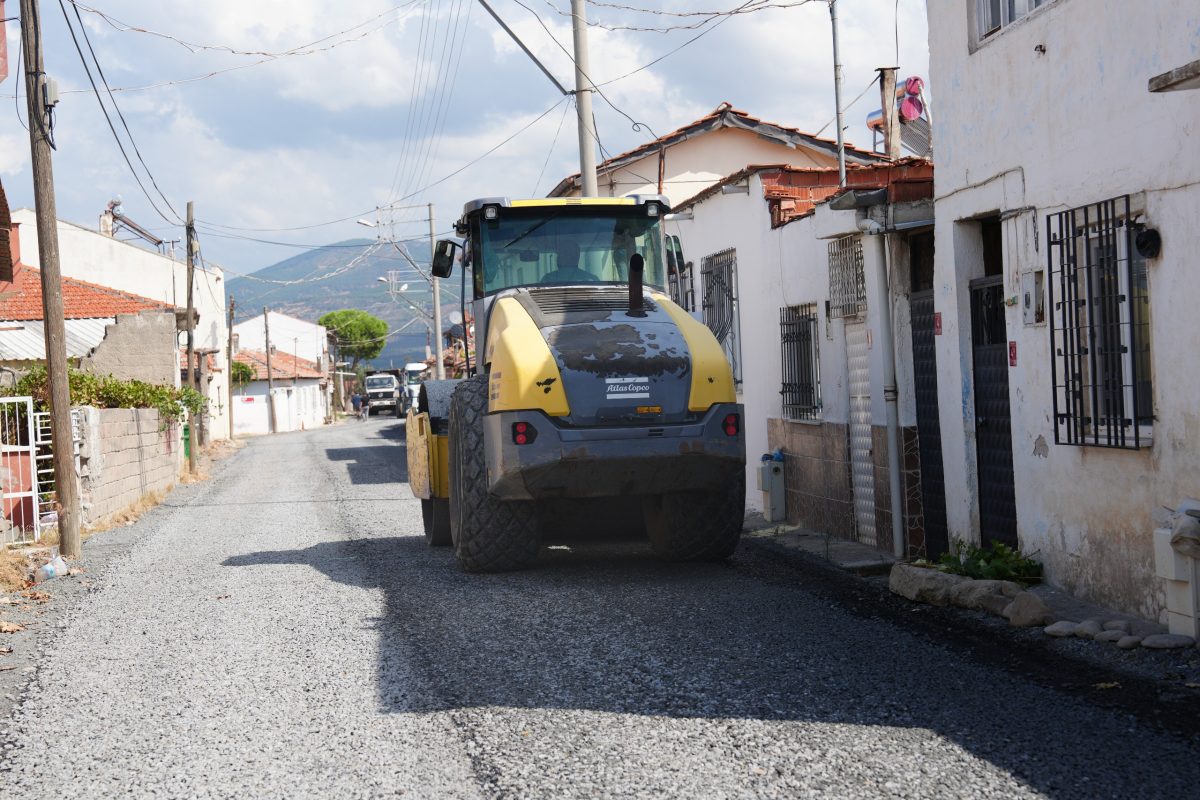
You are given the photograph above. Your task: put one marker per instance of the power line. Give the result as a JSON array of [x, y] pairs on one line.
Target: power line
[[108, 119], [550, 152], [117, 108]]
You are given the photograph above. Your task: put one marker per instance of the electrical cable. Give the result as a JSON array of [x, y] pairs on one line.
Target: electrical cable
[[108, 119], [550, 152], [17, 82], [117, 108], [849, 105]]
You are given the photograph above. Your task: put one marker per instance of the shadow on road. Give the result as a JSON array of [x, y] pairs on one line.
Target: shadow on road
[[375, 464], [609, 628]]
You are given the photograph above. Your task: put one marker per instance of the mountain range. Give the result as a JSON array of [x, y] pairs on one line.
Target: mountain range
[[347, 275]]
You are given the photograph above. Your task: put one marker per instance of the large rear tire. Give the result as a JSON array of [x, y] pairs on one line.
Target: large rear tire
[[489, 535], [435, 514], [697, 526]]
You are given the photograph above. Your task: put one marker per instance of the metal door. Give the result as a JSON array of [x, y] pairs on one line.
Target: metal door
[[19, 517], [862, 464], [929, 428], [993, 430]]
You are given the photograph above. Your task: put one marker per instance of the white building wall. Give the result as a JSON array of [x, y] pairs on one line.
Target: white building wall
[[1052, 113], [289, 334], [695, 164], [88, 255], [299, 406]]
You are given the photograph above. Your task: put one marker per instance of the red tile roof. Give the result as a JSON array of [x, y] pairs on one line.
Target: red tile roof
[[723, 116], [794, 192], [22, 299], [284, 366]]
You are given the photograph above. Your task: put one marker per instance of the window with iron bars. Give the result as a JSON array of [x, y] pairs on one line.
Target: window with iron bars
[[799, 336], [847, 286], [718, 273], [1100, 327]]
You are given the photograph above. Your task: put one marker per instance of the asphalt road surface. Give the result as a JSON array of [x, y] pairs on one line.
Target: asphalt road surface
[[284, 631]]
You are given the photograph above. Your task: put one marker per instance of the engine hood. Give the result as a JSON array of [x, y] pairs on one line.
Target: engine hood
[[616, 367]]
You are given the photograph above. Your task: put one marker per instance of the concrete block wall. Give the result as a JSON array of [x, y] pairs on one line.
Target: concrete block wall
[[138, 347], [126, 454]]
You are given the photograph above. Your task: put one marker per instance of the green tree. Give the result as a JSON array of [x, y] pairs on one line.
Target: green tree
[[360, 335], [242, 374]]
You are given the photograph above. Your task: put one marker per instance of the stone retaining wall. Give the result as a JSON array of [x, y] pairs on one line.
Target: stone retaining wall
[[126, 453]]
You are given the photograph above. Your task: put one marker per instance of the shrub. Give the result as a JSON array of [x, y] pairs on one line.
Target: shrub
[[109, 392], [999, 562]]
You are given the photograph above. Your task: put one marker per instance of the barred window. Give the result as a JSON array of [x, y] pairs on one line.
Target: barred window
[[847, 286], [798, 334], [719, 275], [1100, 327]]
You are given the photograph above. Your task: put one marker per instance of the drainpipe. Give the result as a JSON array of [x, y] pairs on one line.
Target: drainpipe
[[891, 394]]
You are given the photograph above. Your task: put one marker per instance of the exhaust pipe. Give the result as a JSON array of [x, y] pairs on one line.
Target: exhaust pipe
[[637, 266]]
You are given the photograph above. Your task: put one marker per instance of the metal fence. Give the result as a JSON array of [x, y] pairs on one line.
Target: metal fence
[[19, 485], [847, 286], [798, 335], [1100, 327]]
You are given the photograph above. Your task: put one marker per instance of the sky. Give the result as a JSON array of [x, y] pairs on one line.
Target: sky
[[278, 116]]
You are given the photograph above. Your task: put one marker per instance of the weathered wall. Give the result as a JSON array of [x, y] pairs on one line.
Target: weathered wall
[[299, 406], [138, 346], [126, 453], [88, 255], [1052, 113]]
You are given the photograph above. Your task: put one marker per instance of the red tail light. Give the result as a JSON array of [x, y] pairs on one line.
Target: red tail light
[[732, 424], [523, 433]]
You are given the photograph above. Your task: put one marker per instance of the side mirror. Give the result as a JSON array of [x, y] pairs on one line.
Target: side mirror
[[443, 258]]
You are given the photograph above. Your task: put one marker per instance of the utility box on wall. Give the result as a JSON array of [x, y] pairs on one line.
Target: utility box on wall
[[771, 484]]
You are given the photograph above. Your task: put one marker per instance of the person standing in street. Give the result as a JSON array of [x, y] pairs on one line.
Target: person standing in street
[[356, 402]]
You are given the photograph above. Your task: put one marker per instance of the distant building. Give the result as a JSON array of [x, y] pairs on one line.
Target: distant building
[[299, 395]]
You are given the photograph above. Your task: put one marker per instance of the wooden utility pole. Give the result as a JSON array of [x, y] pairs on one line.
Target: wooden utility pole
[[270, 376], [194, 432], [40, 144], [583, 107], [229, 366], [891, 120]]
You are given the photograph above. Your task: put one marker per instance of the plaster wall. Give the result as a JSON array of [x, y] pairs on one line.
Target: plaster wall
[[298, 406], [695, 164], [790, 266], [91, 256], [1053, 113], [296, 336]]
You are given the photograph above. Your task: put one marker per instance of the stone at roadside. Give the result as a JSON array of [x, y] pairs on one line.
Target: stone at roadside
[[1061, 629], [1089, 629], [1110, 636], [1118, 625], [972, 594], [1167, 641], [1129, 642], [923, 585], [994, 604], [1027, 610]]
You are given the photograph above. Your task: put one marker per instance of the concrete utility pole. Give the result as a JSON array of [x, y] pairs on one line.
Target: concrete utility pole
[[583, 102], [837, 95], [891, 119], [194, 431], [40, 144], [439, 369], [229, 365], [270, 375]]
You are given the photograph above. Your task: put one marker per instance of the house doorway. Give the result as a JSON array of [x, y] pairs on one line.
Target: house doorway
[[993, 428], [925, 385]]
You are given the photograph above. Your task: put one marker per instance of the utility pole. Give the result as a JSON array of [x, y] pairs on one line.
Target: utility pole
[[194, 431], [40, 144], [439, 369], [891, 120], [583, 105], [270, 376], [229, 364], [837, 95]]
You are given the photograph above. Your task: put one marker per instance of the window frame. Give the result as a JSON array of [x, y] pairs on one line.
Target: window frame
[[1100, 332], [800, 358], [717, 269]]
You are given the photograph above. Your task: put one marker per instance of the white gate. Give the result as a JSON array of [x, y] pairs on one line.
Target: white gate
[[20, 518], [43, 442], [862, 462]]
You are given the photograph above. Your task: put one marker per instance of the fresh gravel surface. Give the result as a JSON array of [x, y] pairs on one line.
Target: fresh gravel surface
[[284, 631]]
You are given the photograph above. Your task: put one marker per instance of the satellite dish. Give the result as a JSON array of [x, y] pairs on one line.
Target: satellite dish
[[455, 318]]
